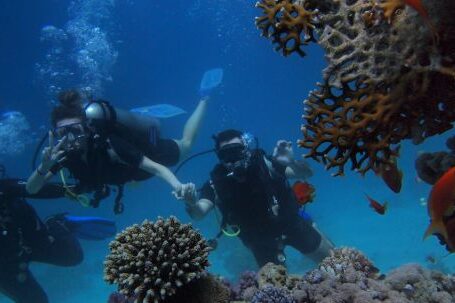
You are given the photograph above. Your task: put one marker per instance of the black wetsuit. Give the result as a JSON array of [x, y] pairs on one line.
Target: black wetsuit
[[24, 238], [249, 203], [99, 169]]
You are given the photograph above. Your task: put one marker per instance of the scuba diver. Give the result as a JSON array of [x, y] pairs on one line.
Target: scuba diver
[[101, 146], [257, 204], [24, 238]]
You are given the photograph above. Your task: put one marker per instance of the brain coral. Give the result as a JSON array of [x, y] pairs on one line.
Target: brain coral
[[390, 75], [150, 261]]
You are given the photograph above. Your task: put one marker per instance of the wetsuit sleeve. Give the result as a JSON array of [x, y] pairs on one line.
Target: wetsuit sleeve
[[17, 188], [126, 151], [207, 192]]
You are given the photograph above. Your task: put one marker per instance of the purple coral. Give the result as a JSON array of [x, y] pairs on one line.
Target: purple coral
[[248, 280], [272, 294]]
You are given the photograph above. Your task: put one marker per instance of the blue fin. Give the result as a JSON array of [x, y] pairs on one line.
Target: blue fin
[[91, 228], [304, 215], [211, 79], [162, 111]]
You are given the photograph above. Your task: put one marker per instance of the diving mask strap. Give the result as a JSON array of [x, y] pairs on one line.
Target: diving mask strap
[[82, 199]]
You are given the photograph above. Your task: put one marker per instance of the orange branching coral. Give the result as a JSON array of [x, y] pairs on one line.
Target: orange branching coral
[[346, 127], [288, 23], [385, 81], [364, 122]]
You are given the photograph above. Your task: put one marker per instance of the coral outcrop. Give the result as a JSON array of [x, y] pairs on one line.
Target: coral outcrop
[[288, 24], [431, 166], [272, 294], [390, 75], [346, 276], [151, 261]]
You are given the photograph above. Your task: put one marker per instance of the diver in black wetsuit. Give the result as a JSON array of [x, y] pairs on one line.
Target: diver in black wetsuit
[[102, 145], [252, 192], [24, 238]]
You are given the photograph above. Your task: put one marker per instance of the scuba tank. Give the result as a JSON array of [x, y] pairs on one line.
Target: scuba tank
[[140, 130]]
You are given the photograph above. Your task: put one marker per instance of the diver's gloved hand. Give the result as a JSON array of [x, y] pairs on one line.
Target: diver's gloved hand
[[283, 152], [186, 192], [54, 153]]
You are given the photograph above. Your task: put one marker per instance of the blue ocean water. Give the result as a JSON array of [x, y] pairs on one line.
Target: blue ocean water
[[138, 53]]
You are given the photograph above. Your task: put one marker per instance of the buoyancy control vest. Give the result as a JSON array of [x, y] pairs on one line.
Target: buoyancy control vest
[[263, 198]]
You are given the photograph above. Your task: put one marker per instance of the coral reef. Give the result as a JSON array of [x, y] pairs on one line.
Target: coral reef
[[387, 79], [431, 166], [288, 24], [247, 286], [347, 276], [272, 294], [149, 262]]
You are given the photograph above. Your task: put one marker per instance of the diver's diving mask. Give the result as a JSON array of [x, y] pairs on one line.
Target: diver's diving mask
[[75, 134], [236, 157], [232, 152]]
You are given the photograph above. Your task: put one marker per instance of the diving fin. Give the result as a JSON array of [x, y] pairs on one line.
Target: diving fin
[[162, 111], [210, 80], [91, 228]]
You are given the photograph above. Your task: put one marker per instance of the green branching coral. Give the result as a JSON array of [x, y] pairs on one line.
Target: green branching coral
[[150, 261]]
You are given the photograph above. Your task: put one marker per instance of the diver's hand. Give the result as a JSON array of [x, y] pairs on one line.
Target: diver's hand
[[53, 154], [186, 192], [283, 152]]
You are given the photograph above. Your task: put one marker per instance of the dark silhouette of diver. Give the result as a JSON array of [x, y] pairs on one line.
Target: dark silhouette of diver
[[25, 238], [252, 192]]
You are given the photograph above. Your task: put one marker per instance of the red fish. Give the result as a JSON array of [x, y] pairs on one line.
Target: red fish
[[423, 12], [304, 192], [391, 175], [378, 207], [441, 207]]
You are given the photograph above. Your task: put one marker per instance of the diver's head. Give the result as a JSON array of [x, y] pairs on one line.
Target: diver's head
[[68, 120], [233, 148]]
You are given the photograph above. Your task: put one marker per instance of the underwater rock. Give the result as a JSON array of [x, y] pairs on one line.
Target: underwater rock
[[150, 261], [347, 263], [431, 166], [247, 286], [272, 294], [271, 274]]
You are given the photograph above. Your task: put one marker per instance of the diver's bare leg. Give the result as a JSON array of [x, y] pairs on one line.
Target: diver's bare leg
[[322, 251], [192, 128]]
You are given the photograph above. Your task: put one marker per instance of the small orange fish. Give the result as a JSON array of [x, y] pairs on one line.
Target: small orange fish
[[423, 12], [378, 207], [304, 192], [441, 206]]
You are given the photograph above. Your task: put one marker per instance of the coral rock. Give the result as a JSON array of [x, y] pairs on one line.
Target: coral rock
[[149, 262], [272, 274], [272, 294]]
